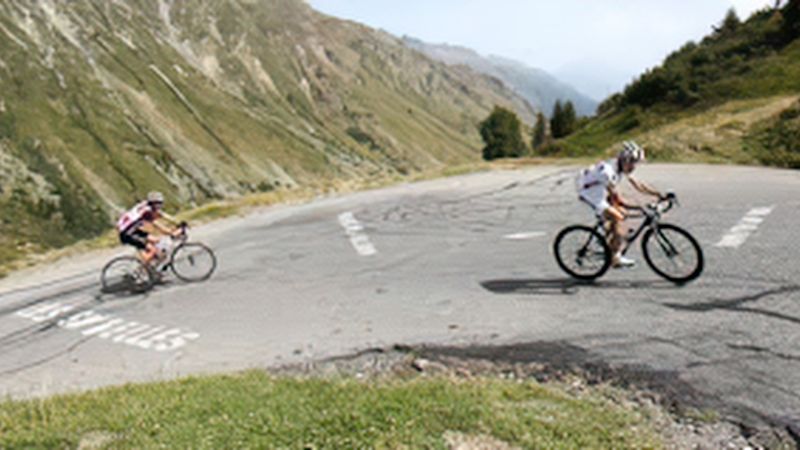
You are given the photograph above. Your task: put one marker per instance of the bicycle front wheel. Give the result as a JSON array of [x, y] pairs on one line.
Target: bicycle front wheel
[[126, 274], [673, 253], [193, 262], [582, 252]]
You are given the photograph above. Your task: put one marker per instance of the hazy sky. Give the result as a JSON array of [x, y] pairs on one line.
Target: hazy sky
[[597, 45]]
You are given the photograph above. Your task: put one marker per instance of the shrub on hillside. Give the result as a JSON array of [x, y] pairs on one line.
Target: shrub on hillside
[[502, 134]]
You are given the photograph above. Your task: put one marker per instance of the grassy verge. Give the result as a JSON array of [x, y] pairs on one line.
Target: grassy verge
[[255, 410]]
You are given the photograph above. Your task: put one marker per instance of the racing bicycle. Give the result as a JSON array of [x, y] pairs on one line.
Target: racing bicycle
[[672, 252], [189, 261]]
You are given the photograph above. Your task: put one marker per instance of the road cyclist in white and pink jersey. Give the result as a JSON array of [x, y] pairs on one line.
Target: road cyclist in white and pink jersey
[[597, 187], [134, 226]]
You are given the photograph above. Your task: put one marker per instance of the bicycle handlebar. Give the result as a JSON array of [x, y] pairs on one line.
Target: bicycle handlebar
[[183, 226], [663, 205]]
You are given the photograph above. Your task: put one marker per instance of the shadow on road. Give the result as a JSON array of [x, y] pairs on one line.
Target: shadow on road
[[564, 286], [740, 304]]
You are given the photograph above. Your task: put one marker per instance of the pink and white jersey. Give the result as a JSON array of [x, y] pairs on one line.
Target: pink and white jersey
[[134, 218]]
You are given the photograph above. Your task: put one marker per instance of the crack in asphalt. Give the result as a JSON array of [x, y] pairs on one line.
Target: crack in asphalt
[[50, 283], [46, 359], [465, 208], [762, 350], [54, 296], [736, 304], [37, 330]]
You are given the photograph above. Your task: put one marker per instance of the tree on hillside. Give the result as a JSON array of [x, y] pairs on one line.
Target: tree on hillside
[[570, 117], [539, 131], [730, 23], [791, 21], [563, 120], [555, 119], [502, 133]]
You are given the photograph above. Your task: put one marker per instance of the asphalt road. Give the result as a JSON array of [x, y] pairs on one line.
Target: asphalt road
[[463, 261]]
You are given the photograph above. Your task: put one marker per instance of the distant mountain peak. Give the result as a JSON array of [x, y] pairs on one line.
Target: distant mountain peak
[[537, 86]]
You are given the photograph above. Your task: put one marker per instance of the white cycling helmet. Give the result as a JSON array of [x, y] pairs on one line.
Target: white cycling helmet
[[631, 152], [155, 197]]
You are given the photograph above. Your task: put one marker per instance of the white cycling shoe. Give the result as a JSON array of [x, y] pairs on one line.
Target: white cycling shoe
[[621, 262]]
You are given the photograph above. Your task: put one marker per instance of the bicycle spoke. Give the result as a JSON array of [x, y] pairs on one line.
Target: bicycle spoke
[[125, 275], [193, 262], [582, 253], [673, 253]]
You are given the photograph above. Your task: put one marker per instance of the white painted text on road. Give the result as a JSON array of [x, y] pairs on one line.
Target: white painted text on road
[[115, 329]]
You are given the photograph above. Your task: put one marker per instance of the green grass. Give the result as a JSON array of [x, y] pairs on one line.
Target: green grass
[[737, 132], [776, 140], [254, 410]]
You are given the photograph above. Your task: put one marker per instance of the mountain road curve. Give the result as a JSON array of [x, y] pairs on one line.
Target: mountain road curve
[[458, 262]]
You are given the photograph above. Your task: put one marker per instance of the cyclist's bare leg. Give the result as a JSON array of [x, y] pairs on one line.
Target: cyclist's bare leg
[[149, 254], [615, 218]]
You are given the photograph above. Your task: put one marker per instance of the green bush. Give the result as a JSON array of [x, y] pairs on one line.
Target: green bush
[[502, 134]]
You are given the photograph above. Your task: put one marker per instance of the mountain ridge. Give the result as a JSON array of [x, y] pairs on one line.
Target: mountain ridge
[[539, 87]]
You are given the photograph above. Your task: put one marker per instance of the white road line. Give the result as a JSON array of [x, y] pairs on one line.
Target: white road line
[[742, 230], [111, 328], [358, 238], [524, 236]]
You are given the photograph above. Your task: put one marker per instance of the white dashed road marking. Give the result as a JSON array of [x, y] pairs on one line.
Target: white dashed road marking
[[114, 329], [358, 238], [524, 236], [749, 223]]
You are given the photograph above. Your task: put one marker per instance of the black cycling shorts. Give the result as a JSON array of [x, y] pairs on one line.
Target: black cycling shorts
[[136, 238]]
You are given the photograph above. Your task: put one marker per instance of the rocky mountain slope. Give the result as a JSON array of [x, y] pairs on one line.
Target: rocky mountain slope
[[540, 88], [104, 100]]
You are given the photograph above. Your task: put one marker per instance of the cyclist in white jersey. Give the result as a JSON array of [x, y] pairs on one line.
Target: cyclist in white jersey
[[133, 225], [597, 186]]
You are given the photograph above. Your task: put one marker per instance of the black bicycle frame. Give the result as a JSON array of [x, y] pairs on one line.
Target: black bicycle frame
[[629, 238]]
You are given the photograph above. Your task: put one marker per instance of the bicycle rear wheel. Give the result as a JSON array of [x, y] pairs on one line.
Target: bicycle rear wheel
[[126, 274], [192, 262], [582, 252], [673, 253]]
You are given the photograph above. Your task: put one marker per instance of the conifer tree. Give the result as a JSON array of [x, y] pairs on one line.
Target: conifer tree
[[539, 131]]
